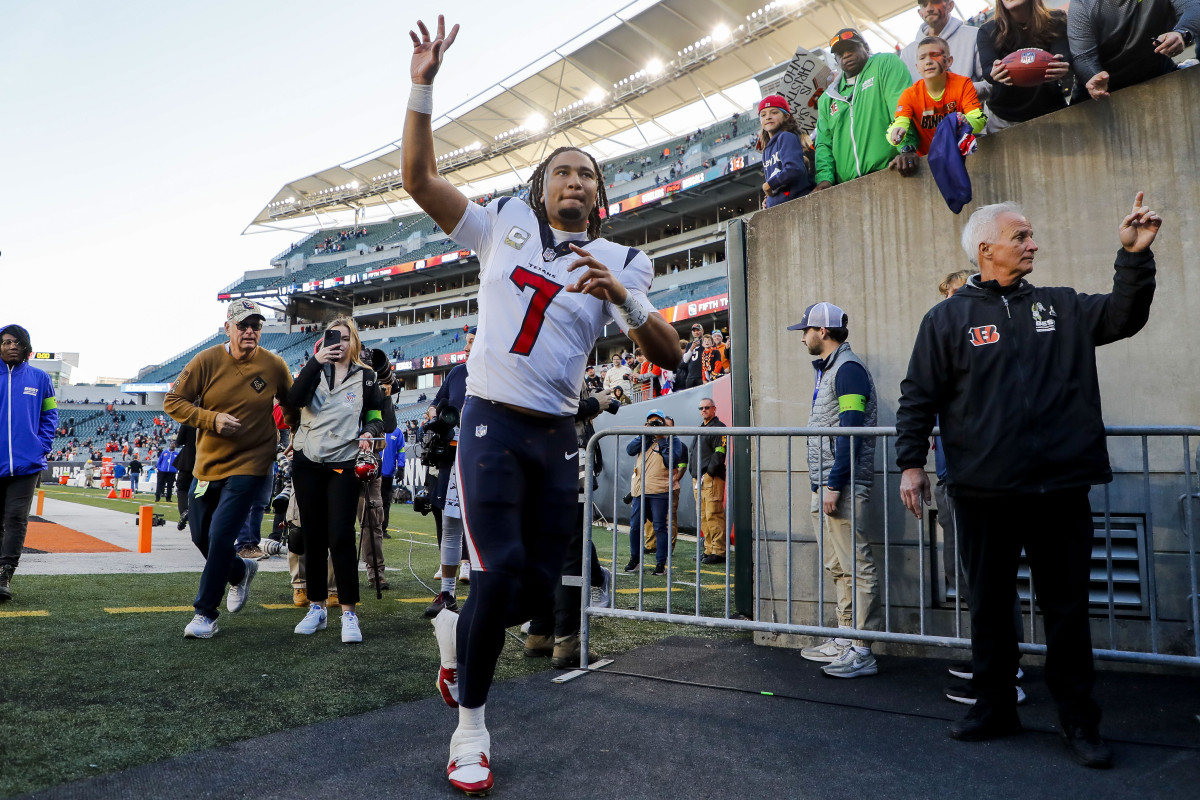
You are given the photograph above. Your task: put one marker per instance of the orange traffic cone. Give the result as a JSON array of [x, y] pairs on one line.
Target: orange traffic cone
[[112, 494]]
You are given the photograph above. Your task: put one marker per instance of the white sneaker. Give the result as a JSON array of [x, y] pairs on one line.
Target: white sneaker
[[464, 572], [602, 594], [315, 620], [201, 627], [351, 632], [238, 593], [852, 664], [525, 627], [827, 651], [468, 768]]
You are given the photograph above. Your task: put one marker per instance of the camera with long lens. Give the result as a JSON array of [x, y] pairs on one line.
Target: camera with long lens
[[437, 437], [381, 364]]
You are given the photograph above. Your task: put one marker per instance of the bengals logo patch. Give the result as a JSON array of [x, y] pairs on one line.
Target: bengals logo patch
[[983, 334]]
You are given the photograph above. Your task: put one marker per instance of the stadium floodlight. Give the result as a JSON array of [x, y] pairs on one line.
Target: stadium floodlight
[[655, 67], [535, 122], [720, 33], [596, 95], [353, 184]]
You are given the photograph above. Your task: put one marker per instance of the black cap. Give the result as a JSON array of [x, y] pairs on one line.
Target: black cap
[[845, 36]]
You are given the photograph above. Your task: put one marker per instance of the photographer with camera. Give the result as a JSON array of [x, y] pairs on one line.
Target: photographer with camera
[[371, 502], [664, 463], [439, 454], [341, 413]]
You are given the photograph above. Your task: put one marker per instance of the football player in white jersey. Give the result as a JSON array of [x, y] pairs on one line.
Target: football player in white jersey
[[548, 286]]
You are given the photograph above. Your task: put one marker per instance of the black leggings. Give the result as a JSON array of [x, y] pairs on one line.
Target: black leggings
[[328, 505]]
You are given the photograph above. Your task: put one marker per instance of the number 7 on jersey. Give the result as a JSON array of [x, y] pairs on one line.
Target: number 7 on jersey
[[544, 291]]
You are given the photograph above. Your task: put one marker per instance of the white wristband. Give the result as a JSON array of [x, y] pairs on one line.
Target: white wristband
[[632, 312], [420, 98]]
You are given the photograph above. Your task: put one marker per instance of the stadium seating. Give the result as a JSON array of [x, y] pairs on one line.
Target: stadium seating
[[167, 372], [693, 291]]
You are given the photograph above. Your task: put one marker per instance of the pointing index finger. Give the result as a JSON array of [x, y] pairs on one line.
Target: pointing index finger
[[1137, 202], [579, 250]]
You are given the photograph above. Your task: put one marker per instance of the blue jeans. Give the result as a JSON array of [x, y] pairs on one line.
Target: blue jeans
[[215, 517], [133, 476], [251, 533], [656, 506]]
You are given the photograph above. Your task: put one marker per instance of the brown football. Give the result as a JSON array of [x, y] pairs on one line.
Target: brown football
[[1027, 66]]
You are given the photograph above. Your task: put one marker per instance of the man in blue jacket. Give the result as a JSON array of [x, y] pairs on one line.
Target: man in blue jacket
[[393, 465], [166, 473], [664, 468], [28, 417]]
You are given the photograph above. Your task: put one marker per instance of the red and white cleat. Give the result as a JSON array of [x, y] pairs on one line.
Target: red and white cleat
[[469, 770], [447, 686]]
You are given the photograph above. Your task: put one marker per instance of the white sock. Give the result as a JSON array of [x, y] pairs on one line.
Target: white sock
[[862, 651], [471, 718], [445, 626], [452, 533], [448, 583]]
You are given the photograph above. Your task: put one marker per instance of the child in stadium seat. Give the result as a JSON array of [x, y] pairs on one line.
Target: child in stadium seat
[[937, 95]]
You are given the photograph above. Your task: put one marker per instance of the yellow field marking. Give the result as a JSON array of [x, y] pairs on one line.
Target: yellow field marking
[[146, 609], [423, 599], [679, 591], [415, 533], [24, 613], [278, 606]]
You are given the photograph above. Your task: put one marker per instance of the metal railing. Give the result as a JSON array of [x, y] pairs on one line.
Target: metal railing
[[929, 623]]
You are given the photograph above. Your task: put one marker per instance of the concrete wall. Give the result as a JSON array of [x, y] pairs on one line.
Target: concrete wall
[[878, 247]]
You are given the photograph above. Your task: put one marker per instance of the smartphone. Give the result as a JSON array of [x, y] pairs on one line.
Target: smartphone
[[332, 338]]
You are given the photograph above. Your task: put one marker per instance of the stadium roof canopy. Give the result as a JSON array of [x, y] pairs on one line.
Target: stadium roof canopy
[[616, 79]]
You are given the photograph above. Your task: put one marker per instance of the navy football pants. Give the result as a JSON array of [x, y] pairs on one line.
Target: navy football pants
[[518, 484]]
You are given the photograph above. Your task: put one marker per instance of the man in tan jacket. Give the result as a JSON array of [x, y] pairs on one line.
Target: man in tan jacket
[[226, 393]]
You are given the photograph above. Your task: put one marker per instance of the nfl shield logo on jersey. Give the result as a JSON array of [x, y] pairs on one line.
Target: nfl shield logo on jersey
[[548, 254], [480, 431]]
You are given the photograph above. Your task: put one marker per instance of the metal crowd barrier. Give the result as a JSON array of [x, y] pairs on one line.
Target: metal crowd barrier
[[686, 598]]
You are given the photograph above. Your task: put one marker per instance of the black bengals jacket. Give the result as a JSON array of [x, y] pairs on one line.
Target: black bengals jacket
[[1012, 373]]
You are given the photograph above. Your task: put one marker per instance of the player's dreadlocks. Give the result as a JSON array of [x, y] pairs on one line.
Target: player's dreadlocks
[[538, 187]]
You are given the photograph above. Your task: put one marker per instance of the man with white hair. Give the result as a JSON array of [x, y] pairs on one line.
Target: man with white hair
[[1009, 369]]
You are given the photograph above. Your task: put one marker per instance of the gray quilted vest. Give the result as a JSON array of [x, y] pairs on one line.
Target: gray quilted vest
[[825, 415]]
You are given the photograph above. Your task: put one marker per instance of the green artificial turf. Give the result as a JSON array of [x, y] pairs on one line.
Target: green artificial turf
[[84, 691]]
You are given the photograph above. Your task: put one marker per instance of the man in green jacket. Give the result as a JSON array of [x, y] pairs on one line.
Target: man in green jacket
[[854, 114]]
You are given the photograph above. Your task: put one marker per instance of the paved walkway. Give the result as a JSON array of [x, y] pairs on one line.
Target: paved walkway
[[171, 550], [670, 732]]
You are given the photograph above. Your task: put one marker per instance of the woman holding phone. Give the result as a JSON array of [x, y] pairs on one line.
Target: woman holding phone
[[341, 411]]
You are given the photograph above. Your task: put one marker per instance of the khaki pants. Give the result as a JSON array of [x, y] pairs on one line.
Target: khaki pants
[[712, 514], [847, 550], [296, 568], [648, 530], [370, 518]]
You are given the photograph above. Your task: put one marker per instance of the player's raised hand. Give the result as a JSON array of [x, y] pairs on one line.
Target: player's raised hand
[[596, 280], [427, 53], [1139, 228]]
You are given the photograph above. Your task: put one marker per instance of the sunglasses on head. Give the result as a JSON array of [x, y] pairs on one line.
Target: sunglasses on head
[[250, 325], [844, 36]]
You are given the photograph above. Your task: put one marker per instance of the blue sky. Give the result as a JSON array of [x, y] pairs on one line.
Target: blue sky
[[139, 138]]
